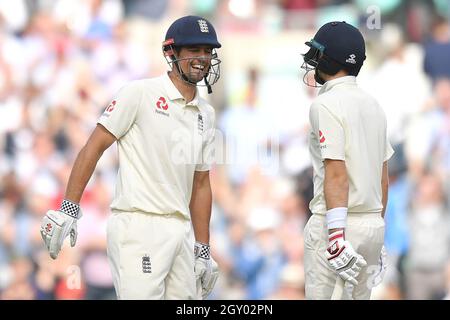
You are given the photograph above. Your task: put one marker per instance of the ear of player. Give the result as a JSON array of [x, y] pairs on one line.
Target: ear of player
[[58, 224], [342, 258], [206, 269]]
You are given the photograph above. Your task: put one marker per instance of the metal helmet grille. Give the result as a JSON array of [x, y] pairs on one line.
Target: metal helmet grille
[[212, 75], [311, 60]]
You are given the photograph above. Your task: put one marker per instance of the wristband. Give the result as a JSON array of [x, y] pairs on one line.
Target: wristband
[[202, 250], [70, 208], [337, 218]]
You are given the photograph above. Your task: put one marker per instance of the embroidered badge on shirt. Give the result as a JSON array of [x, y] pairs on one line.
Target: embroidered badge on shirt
[[146, 264], [200, 122]]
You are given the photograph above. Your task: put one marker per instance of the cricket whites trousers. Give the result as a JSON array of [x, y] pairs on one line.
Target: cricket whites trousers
[[151, 256], [365, 231]]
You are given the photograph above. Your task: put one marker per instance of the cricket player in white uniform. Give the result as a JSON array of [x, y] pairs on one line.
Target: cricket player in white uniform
[[158, 233], [349, 150]]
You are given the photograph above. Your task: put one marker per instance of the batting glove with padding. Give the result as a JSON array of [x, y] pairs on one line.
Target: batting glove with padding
[[206, 269], [58, 224], [343, 258]]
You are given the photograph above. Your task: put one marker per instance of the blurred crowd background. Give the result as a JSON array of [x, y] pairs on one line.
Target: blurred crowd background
[[62, 61]]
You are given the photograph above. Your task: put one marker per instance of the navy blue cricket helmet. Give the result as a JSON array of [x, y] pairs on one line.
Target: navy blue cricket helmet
[[192, 31], [335, 46]]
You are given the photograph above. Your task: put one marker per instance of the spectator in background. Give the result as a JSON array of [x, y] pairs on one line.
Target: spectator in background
[[398, 61], [61, 60], [120, 58], [298, 4], [437, 50], [427, 136], [94, 262], [246, 132], [44, 278], [428, 254], [396, 233], [441, 156], [292, 284], [150, 9], [258, 261], [305, 189], [99, 28], [396, 236], [447, 282], [20, 287]]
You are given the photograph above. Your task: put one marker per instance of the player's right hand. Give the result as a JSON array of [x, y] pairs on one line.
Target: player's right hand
[[343, 258], [57, 225]]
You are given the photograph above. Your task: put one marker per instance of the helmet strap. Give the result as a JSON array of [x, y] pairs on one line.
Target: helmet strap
[[170, 52], [208, 85], [180, 71]]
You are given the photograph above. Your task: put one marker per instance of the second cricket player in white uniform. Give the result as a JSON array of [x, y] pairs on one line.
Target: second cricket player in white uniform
[[158, 233], [349, 150]]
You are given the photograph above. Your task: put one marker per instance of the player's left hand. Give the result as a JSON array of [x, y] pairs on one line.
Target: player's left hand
[[206, 269]]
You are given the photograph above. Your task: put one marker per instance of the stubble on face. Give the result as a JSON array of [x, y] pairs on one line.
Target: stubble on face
[[195, 62]]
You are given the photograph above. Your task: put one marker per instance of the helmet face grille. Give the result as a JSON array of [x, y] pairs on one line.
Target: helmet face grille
[[310, 63], [311, 58], [211, 76]]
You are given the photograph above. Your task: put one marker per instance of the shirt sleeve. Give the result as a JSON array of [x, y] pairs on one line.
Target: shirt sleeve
[[208, 147], [329, 132], [120, 114], [389, 152]]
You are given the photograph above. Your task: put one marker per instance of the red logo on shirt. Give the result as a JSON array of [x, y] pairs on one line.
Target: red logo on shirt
[[162, 104], [321, 137], [111, 106]]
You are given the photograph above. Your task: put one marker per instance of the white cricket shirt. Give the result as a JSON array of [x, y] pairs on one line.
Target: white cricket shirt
[[161, 141], [348, 124]]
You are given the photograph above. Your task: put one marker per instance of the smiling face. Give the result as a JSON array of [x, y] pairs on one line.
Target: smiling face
[[194, 62]]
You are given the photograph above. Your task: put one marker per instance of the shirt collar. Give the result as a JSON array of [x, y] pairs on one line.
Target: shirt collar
[[174, 94], [348, 80]]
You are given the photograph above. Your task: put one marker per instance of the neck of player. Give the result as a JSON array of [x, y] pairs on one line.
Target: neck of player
[[186, 89], [327, 77]]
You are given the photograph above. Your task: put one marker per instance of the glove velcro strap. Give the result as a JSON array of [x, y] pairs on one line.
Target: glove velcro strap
[[70, 208], [202, 250], [336, 235], [334, 249]]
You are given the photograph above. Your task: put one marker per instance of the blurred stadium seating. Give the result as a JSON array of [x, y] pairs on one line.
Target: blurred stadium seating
[[62, 61]]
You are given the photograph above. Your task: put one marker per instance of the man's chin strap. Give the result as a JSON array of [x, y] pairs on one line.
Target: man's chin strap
[[183, 76]]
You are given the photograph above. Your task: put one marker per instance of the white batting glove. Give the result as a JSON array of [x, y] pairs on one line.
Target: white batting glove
[[206, 269], [57, 225], [343, 258]]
